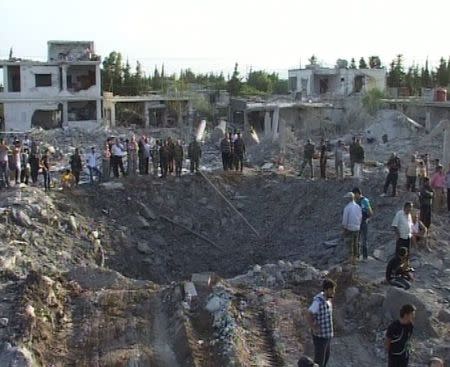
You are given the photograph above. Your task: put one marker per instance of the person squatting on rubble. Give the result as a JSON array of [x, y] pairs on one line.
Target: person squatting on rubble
[[411, 174], [308, 155], [178, 156], [323, 157], [398, 337], [398, 270], [402, 225], [418, 231], [426, 195], [194, 154], [76, 165], [351, 224], [225, 149], [339, 159], [367, 212], [91, 163], [239, 152], [438, 185], [394, 166], [320, 320]]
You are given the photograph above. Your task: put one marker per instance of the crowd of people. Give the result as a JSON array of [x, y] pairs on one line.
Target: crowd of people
[[24, 159], [232, 147]]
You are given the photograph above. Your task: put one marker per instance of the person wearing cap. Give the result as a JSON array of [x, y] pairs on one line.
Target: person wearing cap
[[402, 225], [320, 319], [367, 212], [393, 166], [351, 223], [308, 155], [438, 185], [398, 271]]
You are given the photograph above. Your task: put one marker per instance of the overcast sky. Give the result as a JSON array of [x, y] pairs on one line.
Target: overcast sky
[[210, 35]]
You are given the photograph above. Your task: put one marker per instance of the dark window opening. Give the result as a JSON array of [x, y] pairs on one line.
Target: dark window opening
[[358, 84], [43, 80], [13, 78], [323, 85], [293, 83], [82, 111], [46, 119], [80, 77]]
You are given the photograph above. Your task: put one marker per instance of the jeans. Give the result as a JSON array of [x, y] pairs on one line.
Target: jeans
[[307, 161], [322, 349], [411, 183], [400, 282], [92, 171], [363, 238], [194, 165], [339, 166], [391, 179], [46, 175]]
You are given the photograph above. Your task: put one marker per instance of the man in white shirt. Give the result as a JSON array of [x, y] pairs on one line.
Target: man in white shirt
[[91, 161], [402, 225], [351, 223]]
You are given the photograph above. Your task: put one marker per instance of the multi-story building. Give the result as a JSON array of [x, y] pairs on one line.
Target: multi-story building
[[63, 91], [316, 81]]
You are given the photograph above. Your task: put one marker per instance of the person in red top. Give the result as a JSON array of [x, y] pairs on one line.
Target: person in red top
[[438, 185]]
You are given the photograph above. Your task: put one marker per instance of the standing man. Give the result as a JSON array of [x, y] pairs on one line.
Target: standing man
[[351, 224], [352, 155], [45, 166], [394, 166], [106, 162], [178, 157], [398, 337], [194, 154], [320, 319], [426, 195], [91, 161], [438, 184], [339, 160], [411, 174], [367, 212], [76, 165], [34, 160], [164, 159], [402, 225], [154, 153], [171, 152], [308, 155], [117, 154], [225, 149], [447, 181], [323, 159], [358, 159], [4, 169], [239, 151], [132, 148]]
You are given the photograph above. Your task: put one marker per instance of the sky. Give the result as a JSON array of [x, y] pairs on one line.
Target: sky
[[211, 35]]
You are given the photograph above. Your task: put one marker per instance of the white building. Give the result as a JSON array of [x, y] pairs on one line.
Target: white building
[[65, 90], [317, 81]]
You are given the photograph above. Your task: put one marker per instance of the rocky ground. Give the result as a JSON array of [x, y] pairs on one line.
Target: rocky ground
[[146, 272]]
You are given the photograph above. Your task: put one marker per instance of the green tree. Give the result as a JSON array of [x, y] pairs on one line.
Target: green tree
[[426, 77], [313, 60], [442, 73], [362, 63], [235, 83], [374, 62], [260, 80], [396, 75], [156, 80], [352, 63]]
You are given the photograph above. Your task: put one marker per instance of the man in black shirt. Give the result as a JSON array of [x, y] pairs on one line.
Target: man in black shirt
[[398, 270], [394, 166], [398, 337]]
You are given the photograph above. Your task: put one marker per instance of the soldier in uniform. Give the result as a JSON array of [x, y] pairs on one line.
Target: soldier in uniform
[[194, 154]]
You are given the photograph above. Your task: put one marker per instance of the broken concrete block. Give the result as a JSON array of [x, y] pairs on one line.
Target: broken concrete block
[[4, 322], [201, 279], [15, 356], [144, 248], [110, 185], [21, 218], [146, 212], [190, 293], [215, 304], [444, 315], [142, 222]]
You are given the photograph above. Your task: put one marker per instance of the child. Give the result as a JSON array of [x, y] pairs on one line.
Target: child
[[67, 180]]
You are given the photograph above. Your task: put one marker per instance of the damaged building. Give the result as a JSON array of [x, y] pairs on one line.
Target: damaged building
[[315, 81], [63, 91]]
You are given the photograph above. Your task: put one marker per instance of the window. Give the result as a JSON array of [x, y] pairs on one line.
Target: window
[[293, 83], [13, 78], [43, 80]]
